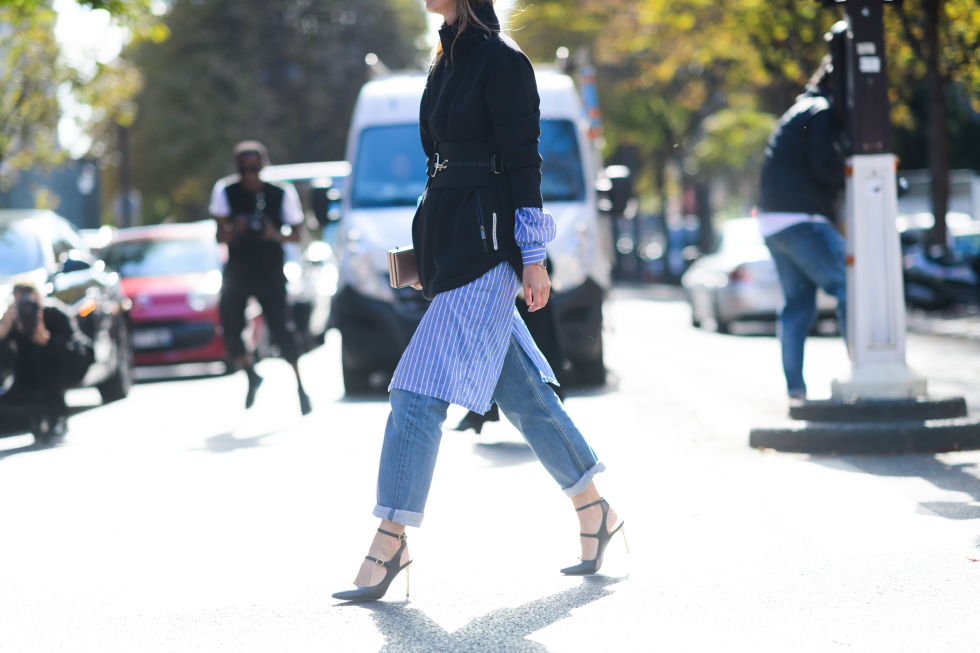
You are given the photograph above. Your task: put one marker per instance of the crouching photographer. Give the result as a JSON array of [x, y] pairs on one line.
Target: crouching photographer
[[41, 343]]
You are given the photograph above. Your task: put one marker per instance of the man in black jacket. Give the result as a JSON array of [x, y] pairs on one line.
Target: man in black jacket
[[802, 177], [254, 219], [41, 342]]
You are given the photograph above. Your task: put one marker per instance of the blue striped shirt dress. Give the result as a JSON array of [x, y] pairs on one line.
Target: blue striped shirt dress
[[457, 351]]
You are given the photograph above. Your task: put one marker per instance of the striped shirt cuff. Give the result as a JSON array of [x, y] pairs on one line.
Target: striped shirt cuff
[[533, 254], [533, 227]]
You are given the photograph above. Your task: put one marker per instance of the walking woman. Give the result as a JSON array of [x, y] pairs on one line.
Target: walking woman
[[479, 235]]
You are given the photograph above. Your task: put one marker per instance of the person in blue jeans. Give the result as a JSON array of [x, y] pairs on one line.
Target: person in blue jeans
[[478, 235], [802, 177]]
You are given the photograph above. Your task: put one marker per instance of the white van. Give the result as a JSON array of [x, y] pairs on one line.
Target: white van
[[379, 201]]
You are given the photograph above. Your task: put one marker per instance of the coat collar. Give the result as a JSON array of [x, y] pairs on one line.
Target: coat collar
[[473, 36]]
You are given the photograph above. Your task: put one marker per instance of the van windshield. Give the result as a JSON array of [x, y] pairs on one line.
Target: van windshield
[[561, 165], [390, 167]]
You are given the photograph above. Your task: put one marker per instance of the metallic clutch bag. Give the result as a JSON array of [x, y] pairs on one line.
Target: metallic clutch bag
[[402, 270]]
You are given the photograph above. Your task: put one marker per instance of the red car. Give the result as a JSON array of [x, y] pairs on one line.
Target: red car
[[172, 274]]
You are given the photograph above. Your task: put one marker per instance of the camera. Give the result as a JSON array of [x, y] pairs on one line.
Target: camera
[[27, 315], [255, 221]]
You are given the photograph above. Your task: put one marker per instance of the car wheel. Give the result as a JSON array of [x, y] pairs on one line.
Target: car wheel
[[117, 386], [357, 381], [721, 325], [925, 296], [357, 378], [591, 372], [320, 338]]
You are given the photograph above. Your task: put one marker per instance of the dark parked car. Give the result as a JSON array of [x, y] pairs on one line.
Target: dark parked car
[[940, 280], [51, 249]]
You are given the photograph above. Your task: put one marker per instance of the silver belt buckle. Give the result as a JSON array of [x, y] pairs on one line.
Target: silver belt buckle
[[438, 167]]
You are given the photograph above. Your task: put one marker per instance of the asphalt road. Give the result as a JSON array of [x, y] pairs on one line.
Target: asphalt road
[[177, 521]]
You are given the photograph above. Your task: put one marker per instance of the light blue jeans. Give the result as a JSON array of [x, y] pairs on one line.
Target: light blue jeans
[[808, 255], [414, 429]]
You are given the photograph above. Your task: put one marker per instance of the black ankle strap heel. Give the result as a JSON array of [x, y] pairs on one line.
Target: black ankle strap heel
[[592, 566], [392, 567]]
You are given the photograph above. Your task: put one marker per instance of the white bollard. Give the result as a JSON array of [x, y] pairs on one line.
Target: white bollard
[[875, 298]]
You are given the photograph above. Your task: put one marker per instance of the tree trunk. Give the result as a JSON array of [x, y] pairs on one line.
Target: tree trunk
[[660, 187], [938, 140], [702, 202]]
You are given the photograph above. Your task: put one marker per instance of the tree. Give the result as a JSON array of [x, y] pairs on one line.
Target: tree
[[666, 68], [939, 45], [28, 84], [33, 75], [687, 79], [286, 73]]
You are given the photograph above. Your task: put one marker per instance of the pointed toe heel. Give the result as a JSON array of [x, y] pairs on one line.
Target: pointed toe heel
[[587, 567], [392, 568]]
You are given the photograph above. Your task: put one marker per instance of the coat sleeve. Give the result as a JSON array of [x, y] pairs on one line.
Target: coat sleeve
[[426, 137], [512, 97]]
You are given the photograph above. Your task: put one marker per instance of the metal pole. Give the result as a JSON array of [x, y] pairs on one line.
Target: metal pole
[[875, 300], [125, 204]]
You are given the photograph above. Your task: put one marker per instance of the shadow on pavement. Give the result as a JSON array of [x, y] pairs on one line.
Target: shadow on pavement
[[505, 454], [953, 478], [34, 446], [13, 424], [179, 372], [408, 629], [227, 442], [656, 292]]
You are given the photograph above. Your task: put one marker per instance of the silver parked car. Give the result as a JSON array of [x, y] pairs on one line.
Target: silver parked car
[[738, 281]]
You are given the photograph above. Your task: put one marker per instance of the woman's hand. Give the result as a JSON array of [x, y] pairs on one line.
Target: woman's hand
[[537, 287]]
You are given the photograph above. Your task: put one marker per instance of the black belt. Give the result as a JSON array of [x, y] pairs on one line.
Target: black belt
[[463, 156], [438, 166]]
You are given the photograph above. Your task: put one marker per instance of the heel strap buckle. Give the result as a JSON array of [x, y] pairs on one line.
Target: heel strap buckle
[[589, 505], [397, 536]]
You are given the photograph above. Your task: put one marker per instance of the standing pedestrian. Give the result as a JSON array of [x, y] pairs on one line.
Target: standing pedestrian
[[479, 235], [255, 218], [802, 176]]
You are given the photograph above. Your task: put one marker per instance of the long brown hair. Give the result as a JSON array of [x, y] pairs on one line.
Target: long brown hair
[[465, 16]]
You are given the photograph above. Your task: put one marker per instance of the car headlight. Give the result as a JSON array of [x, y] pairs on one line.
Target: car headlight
[[295, 283], [570, 253], [205, 294]]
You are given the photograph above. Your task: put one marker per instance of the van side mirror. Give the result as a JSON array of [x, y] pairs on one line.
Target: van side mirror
[[619, 184], [326, 204]]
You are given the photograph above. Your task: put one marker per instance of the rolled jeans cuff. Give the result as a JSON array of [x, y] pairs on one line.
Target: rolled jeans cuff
[[403, 517], [583, 482]]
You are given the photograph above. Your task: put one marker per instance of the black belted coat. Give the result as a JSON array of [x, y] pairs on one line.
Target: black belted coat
[[479, 115]]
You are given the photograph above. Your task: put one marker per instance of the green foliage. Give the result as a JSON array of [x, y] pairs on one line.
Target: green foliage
[[958, 33], [286, 73], [696, 82], [28, 85], [33, 75]]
